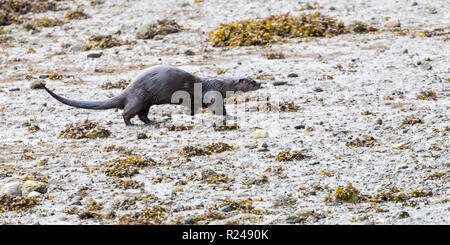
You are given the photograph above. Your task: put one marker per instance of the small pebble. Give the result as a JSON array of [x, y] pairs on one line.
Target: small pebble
[[278, 83], [292, 75], [379, 121], [95, 55], [392, 23], [300, 126], [142, 136], [403, 214], [426, 66]]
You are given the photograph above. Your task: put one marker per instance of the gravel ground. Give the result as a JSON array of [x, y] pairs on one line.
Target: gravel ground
[[369, 113]]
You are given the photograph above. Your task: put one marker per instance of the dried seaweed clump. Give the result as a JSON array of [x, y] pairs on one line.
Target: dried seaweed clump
[[122, 83], [10, 10], [225, 127], [359, 27], [190, 151], [103, 42], [275, 56], [394, 195], [118, 149], [34, 23], [290, 156], [411, 120], [365, 141], [427, 95], [78, 130], [154, 215], [129, 184], [219, 147], [289, 107], [13, 203], [347, 194], [126, 167], [159, 28], [273, 28], [179, 127], [218, 178], [77, 14], [243, 206]]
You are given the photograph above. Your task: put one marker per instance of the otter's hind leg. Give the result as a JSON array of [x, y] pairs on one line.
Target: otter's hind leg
[[143, 116], [131, 109]]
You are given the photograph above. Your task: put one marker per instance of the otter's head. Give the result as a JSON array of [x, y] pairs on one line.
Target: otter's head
[[245, 85]]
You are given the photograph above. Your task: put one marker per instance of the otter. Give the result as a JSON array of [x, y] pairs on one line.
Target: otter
[[156, 86]]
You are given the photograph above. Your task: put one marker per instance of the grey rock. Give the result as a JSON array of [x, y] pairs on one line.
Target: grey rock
[[228, 208], [30, 186], [303, 211], [206, 173], [189, 221], [293, 220], [76, 203], [122, 202], [247, 216], [283, 200], [78, 47], [181, 182]]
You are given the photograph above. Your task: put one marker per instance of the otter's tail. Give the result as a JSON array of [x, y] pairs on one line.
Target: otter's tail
[[96, 105]]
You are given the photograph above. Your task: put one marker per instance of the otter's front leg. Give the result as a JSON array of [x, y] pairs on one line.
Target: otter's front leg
[[227, 116]]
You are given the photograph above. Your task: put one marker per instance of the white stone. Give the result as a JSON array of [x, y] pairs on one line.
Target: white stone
[[13, 189], [34, 194], [259, 133]]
